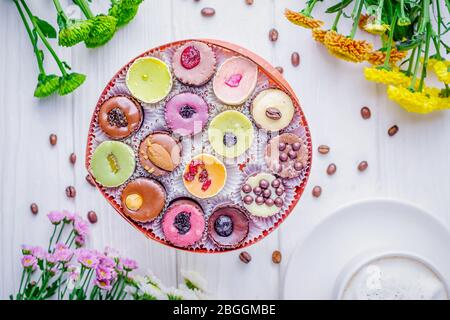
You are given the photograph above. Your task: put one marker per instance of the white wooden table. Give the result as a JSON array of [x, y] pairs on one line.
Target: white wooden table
[[413, 165]]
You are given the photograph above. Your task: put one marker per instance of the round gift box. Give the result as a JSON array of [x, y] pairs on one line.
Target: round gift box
[[275, 79]]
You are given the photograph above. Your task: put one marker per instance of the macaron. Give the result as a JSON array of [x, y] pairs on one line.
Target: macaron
[[235, 80], [194, 63], [183, 223], [143, 199], [230, 133], [112, 163], [263, 194], [149, 79], [228, 226], [286, 155], [186, 114], [160, 153], [119, 117], [204, 176], [272, 110]]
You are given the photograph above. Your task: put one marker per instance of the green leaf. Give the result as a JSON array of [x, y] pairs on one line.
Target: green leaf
[[340, 5], [70, 82], [46, 28]]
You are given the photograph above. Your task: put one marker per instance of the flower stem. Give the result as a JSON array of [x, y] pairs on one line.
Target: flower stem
[[391, 37], [416, 66], [336, 20], [44, 39], [411, 61], [51, 238], [60, 232], [84, 8], [307, 11], [59, 9], [37, 53], [19, 293], [425, 59], [360, 4]]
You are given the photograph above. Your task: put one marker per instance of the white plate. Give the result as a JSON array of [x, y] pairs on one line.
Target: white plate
[[360, 229]]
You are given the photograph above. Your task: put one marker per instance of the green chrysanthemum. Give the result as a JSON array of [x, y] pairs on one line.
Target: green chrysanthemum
[[103, 29], [74, 32], [47, 85], [70, 82], [123, 15]]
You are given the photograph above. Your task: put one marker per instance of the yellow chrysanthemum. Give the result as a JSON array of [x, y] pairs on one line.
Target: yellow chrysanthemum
[[346, 48], [388, 77], [442, 71], [378, 57], [319, 35], [300, 19], [418, 102], [375, 28]]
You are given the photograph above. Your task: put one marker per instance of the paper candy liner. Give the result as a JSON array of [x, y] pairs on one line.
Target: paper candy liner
[[238, 169]]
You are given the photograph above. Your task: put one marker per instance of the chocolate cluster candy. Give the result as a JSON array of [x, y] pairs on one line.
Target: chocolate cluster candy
[[263, 194], [286, 155]]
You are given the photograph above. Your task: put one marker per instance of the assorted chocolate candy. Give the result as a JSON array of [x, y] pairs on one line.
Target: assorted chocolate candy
[[162, 161]]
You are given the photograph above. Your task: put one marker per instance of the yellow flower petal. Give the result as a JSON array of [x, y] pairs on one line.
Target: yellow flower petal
[[378, 57], [300, 19], [441, 70], [375, 28], [388, 77], [346, 48], [319, 35], [418, 102]]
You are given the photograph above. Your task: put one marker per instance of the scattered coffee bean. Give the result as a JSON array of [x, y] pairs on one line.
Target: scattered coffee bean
[[365, 113], [92, 216], [317, 191], [245, 257], [53, 139], [273, 34], [34, 208], [249, 2], [276, 257], [295, 59], [392, 130], [90, 180], [73, 158], [280, 69], [323, 149], [71, 192], [362, 166], [331, 169], [208, 12]]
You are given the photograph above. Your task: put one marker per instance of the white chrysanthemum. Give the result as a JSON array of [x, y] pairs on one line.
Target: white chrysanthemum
[[193, 280], [153, 280], [180, 294]]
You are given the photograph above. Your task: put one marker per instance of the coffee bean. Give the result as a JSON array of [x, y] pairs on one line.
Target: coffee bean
[[92, 216], [280, 69], [208, 12], [245, 257], [249, 2], [73, 158], [71, 192], [323, 149], [276, 257], [34, 208], [90, 180], [362, 166], [295, 59], [365, 113], [53, 139], [273, 34], [331, 169], [393, 130], [317, 191]]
